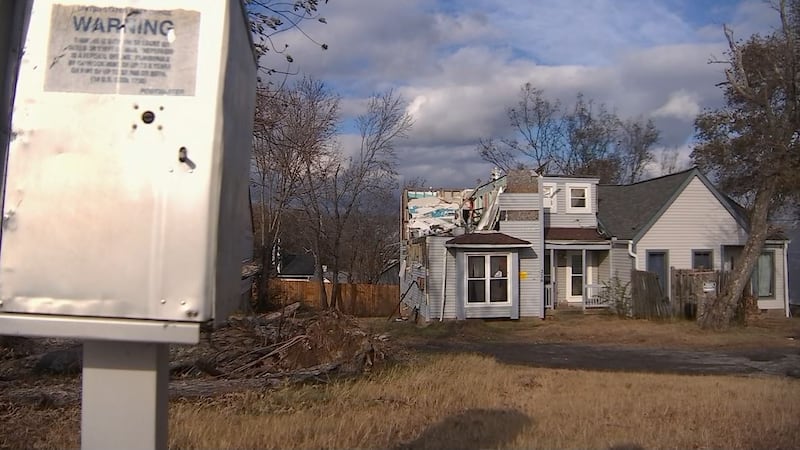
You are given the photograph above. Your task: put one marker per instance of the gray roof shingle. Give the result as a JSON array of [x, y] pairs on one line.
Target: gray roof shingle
[[487, 239], [624, 211]]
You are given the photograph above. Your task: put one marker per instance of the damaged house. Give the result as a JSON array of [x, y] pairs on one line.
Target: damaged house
[[524, 242]]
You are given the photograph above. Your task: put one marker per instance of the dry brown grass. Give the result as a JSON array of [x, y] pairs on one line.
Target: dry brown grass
[[602, 329], [468, 401]]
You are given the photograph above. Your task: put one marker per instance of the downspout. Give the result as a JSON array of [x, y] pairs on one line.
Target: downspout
[[611, 258], [786, 279], [444, 281], [633, 255]]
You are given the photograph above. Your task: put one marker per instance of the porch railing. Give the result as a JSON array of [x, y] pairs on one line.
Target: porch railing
[[548, 296], [592, 297]]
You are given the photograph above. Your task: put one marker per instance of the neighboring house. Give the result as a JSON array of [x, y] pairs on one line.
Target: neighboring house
[[683, 221], [299, 267], [523, 243]]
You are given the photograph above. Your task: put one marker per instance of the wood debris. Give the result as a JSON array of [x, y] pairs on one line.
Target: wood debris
[[251, 352]]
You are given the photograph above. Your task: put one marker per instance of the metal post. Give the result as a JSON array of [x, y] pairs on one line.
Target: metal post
[[125, 395]]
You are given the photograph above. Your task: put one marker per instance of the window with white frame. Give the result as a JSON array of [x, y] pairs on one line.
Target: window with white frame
[[487, 278], [579, 198], [763, 280], [549, 196]]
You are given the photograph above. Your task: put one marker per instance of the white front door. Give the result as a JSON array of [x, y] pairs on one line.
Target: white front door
[[574, 288]]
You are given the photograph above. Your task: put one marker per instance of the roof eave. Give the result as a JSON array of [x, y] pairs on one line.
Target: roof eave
[[493, 246]]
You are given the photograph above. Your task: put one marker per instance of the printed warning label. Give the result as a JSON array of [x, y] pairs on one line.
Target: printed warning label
[[106, 50]]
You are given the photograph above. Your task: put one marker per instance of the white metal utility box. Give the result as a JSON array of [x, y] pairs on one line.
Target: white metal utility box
[[128, 161]]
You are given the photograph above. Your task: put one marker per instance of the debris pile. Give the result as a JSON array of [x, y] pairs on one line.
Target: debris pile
[[251, 352], [283, 344]]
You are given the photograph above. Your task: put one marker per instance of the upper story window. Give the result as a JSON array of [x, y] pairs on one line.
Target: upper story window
[[549, 196], [579, 198]]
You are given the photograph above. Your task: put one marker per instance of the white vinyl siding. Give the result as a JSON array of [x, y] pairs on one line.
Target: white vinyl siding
[[695, 220], [519, 201], [436, 253], [530, 289], [530, 262], [531, 292], [560, 218], [603, 262], [622, 263]]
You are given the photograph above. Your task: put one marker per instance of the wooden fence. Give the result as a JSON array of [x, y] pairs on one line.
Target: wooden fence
[[692, 289], [647, 298], [362, 300]]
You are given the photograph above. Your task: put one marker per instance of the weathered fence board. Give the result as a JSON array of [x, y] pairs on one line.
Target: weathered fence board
[[362, 300], [647, 298], [692, 290]]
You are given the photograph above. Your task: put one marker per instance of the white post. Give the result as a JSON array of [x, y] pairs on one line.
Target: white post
[[583, 278], [125, 395]]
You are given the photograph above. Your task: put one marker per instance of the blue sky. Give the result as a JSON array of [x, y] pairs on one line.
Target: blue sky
[[459, 64]]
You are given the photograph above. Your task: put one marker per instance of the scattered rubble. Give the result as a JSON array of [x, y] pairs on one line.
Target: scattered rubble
[[251, 352]]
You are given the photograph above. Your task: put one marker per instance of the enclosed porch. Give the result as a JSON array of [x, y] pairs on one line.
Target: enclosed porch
[[574, 270]]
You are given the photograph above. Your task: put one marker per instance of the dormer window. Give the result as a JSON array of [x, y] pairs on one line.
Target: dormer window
[[578, 198]]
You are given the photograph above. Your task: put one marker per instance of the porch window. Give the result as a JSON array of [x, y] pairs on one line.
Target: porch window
[[702, 259], [487, 279], [549, 197], [578, 200], [763, 280]]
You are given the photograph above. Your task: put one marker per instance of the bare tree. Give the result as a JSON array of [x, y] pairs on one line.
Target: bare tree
[[538, 128], [668, 161], [584, 139], [268, 18], [337, 187], [293, 128], [590, 132], [371, 242], [751, 144], [635, 148]]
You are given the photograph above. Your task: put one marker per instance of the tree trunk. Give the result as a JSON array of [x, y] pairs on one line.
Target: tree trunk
[[721, 312], [323, 296], [263, 280], [336, 295]]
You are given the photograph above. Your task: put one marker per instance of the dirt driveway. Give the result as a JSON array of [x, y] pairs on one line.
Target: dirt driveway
[[772, 361], [608, 343]]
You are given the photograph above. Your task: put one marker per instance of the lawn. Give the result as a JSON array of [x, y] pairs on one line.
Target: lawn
[[461, 400], [469, 401]]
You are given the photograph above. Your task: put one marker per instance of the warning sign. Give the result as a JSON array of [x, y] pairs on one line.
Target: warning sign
[[107, 50]]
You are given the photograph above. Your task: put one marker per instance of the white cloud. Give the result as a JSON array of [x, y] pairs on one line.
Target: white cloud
[[680, 105], [461, 64]]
